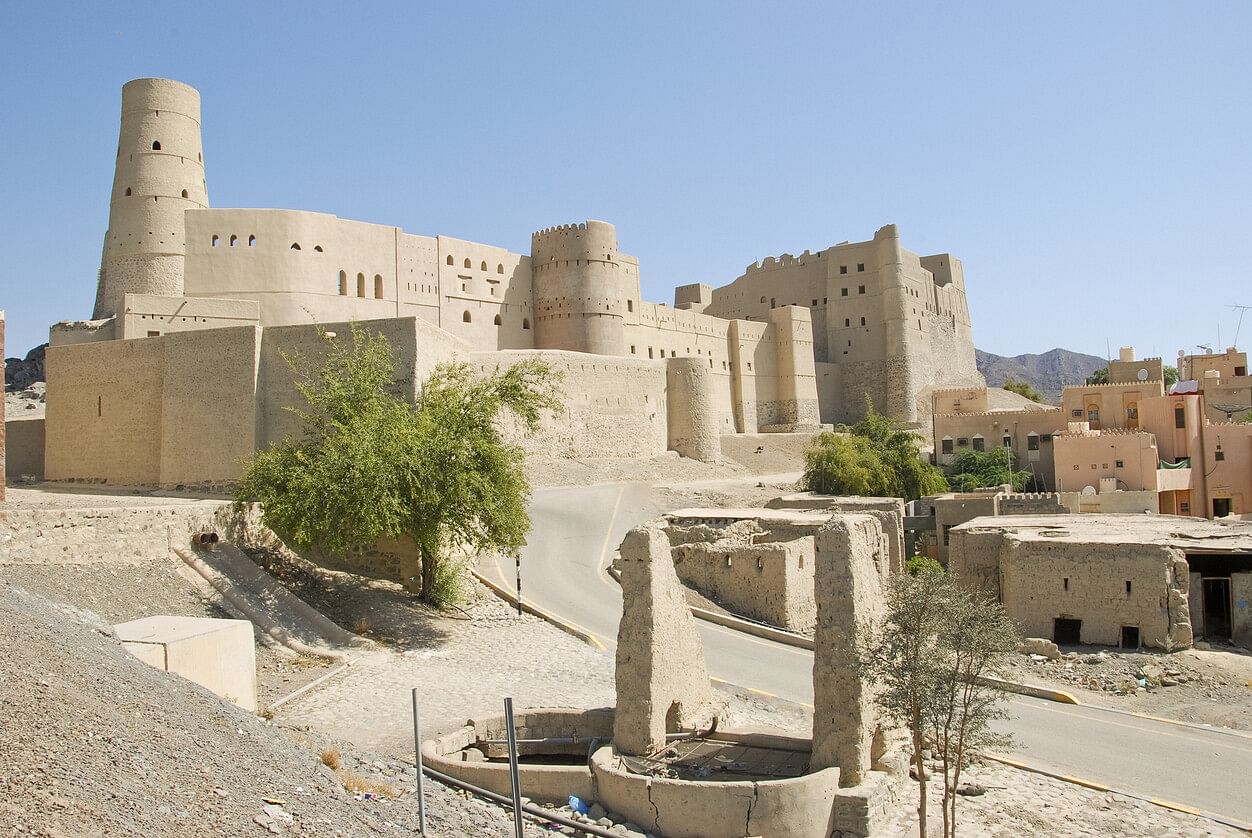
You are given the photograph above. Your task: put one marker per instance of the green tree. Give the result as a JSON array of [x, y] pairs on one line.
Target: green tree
[[1022, 388], [370, 465], [927, 658], [970, 470], [1171, 376], [1100, 376], [872, 458]]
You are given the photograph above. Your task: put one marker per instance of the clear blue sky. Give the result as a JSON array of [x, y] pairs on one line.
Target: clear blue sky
[[1091, 163]]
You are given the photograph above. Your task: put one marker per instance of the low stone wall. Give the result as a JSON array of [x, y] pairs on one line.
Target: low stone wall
[[123, 535], [801, 807], [541, 783]]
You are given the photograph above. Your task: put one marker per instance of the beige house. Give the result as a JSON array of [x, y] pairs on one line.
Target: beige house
[[1085, 457], [1110, 406], [962, 419], [1113, 580]]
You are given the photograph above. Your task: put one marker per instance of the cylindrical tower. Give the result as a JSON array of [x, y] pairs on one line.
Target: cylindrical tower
[[159, 173], [578, 285]]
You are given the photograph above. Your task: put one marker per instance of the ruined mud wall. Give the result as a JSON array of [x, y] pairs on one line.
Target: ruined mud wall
[[770, 582]]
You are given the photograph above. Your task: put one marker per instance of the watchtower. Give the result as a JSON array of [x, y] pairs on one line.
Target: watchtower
[[159, 173], [578, 286]]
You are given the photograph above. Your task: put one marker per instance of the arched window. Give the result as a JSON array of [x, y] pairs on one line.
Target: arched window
[[251, 241], [156, 145], [360, 285], [465, 318], [468, 263], [526, 323], [184, 193], [343, 283], [214, 241], [378, 286], [449, 258], [762, 299], [295, 245], [771, 303], [483, 266], [500, 268], [128, 192], [497, 320], [318, 248], [234, 240]]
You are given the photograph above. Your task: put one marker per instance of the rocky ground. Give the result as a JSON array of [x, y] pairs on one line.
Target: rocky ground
[[1210, 685], [96, 743], [27, 403]]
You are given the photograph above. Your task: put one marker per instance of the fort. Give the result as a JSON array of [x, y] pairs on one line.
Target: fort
[[194, 300]]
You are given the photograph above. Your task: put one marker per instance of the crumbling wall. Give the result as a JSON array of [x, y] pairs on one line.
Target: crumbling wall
[[888, 511], [766, 580], [662, 681], [851, 571], [1029, 503], [974, 558], [1106, 586], [1241, 614]]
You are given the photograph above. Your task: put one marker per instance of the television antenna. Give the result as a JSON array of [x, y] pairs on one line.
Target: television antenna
[[1241, 310]]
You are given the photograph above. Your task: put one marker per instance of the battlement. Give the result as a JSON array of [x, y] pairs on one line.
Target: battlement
[[562, 229], [1112, 386], [1104, 432], [1006, 413]]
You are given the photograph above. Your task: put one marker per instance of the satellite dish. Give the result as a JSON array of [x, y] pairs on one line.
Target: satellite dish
[[1142, 375], [1088, 490]]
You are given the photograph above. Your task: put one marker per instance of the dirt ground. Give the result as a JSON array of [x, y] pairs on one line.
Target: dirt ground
[[1210, 686]]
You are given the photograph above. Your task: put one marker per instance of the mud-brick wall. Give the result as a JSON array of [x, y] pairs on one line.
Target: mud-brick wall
[[1107, 586], [771, 582]]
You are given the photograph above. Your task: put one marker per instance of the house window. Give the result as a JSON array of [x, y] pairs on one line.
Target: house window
[[843, 292], [843, 269], [1032, 441], [526, 324], [465, 318], [1093, 413], [1008, 441], [1184, 507], [961, 442], [947, 534], [979, 443], [860, 267], [378, 286], [468, 264], [630, 305], [847, 321], [1180, 417], [860, 289], [1119, 463], [343, 283], [862, 321], [1076, 413], [497, 320], [946, 445], [449, 258]]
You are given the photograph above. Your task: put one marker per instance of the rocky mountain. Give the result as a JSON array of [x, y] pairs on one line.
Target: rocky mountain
[[1047, 373], [21, 373]]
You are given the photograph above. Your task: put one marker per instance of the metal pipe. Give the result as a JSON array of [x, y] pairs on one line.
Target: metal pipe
[[417, 755], [513, 773], [528, 808]]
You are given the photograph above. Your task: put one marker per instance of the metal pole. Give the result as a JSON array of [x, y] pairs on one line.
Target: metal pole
[[417, 758], [517, 562], [517, 785]]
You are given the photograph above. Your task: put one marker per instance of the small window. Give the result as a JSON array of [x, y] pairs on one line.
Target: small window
[[772, 304], [483, 266], [847, 321], [153, 334], [979, 443], [649, 351], [843, 269], [1008, 441], [234, 240], [1065, 583], [632, 349], [1093, 413], [1127, 587], [1184, 507], [947, 534], [295, 245], [156, 145], [343, 283], [814, 303], [1241, 371], [1180, 417], [946, 445], [630, 305], [500, 268], [465, 318], [1032, 441], [1219, 455], [213, 241], [860, 289], [184, 193], [1076, 413], [468, 263], [526, 323], [251, 241], [860, 268], [128, 192], [1119, 464], [360, 285], [862, 321], [961, 442], [378, 286], [449, 258], [317, 248], [497, 320]]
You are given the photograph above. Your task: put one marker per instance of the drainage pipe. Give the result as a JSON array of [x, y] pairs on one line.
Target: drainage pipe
[[528, 808]]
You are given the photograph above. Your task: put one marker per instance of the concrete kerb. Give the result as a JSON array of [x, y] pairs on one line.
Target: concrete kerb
[[564, 625], [1090, 784]]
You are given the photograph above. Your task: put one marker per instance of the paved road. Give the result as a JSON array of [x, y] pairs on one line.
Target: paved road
[[577, 531]]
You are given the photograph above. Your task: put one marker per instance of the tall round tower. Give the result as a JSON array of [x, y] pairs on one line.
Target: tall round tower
[[578, 286], [159, 173]]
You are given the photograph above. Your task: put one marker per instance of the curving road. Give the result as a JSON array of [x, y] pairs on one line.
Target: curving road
[[577, 530]]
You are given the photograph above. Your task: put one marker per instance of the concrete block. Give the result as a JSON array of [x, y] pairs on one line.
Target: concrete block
[[219, 655]]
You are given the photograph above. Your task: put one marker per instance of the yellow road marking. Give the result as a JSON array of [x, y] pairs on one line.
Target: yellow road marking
[[1177, 807]]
